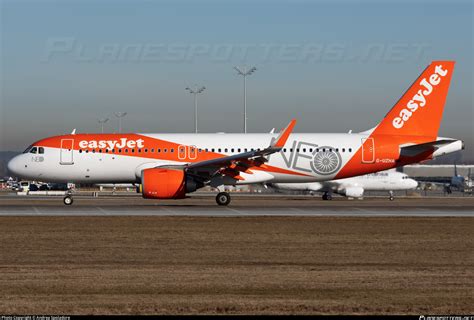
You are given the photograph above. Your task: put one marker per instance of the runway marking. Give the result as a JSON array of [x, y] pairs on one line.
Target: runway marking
[[36, 211], [303, 212], [365, 211], [171, 212], [235, 211], [103, 211]]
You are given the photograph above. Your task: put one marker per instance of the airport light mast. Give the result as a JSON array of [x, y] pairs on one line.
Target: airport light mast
[[244, 73], [120, 115], [102, 121], [195, 92]]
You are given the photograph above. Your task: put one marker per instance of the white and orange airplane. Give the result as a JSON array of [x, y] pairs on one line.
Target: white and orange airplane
[[168, 166]]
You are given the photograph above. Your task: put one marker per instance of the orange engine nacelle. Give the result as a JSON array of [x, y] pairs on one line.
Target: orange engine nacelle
[[163, 184]]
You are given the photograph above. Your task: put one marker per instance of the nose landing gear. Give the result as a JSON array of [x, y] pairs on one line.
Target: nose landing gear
[[68, 200]]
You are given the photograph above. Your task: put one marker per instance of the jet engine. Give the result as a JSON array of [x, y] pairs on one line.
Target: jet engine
[[354, 192], [160, 183]]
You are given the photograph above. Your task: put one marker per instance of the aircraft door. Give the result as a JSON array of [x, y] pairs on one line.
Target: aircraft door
[[181, 152], [67, 149], [192, 152], [368, 150]]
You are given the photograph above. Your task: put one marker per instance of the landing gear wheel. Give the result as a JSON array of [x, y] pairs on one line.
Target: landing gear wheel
[[68, 200], [391, 198], [223, 198], [327, 196]]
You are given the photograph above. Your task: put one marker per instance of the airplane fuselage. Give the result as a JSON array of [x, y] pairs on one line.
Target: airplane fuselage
[[120, 158]]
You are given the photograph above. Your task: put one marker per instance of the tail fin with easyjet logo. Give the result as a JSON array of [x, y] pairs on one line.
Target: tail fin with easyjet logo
[[420, 109]]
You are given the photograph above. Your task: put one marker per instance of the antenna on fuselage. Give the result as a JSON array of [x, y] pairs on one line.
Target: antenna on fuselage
[[73, 131]]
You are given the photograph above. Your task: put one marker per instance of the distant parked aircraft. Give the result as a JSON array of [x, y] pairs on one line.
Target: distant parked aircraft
[[354, 187], [459, 182]]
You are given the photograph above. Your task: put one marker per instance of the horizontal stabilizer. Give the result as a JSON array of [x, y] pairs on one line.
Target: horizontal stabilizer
[[416, 149]]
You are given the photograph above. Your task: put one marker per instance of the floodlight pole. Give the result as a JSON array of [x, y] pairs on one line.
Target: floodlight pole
[[102, 121], [120, 115], [244, 73], [195, 92]]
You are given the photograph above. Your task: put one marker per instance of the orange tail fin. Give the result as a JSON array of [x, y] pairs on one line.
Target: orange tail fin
[[420, 109]]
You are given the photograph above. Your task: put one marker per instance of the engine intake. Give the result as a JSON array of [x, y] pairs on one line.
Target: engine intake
[[354, 192]]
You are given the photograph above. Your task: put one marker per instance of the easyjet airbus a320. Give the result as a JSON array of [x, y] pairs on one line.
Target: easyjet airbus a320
[[168, 166]]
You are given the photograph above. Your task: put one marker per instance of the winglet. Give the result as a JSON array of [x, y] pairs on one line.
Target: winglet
[[283, 136]]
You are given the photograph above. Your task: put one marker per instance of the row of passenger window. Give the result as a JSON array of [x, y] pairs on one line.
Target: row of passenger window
[[232, 150]]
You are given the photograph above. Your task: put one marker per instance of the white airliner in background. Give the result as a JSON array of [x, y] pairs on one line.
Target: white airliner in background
[[168, 166], [354, 187]]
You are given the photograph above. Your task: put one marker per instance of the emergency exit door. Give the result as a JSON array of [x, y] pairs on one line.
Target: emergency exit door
[[368, 150]]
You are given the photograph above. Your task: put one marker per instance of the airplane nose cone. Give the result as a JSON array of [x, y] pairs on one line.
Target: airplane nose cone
[[14, 166], [413, 184]]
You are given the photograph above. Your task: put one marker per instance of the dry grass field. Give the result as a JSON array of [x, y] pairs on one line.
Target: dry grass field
[[262, 265]]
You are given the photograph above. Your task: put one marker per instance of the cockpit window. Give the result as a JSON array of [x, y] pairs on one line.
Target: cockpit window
[[41, 150], [34, 150], [27, 149]]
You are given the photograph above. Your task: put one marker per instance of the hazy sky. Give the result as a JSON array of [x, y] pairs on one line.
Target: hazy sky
[[335, 66]]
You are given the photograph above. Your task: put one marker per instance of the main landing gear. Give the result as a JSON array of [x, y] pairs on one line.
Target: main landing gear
[[223, 198], [327, 196], [391, 198]]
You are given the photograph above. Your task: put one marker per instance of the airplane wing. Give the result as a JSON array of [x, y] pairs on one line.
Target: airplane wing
[[416, 149], [233, 165]]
